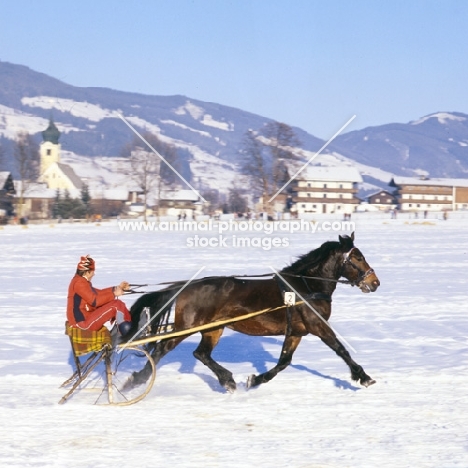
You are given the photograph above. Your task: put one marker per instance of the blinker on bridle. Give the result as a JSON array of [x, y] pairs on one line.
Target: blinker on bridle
[[362, 274]]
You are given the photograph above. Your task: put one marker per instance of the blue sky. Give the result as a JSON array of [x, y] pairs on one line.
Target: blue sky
[[311, 64]]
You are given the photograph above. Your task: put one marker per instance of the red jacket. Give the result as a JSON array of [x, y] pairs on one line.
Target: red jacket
[[83, 299]]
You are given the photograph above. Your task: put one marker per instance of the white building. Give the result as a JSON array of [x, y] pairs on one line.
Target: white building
[[180, 203], [53, 173], [326, 189]]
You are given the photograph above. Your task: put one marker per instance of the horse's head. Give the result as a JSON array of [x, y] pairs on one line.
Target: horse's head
[[355, 268]]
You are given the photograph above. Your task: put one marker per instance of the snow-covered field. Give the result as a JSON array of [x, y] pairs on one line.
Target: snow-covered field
[[410, 335]]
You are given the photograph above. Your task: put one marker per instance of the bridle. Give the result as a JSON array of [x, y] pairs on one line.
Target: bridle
[[362, 274]]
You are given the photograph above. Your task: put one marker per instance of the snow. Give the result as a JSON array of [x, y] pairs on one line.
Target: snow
[[410, 335], [198, 113], [337, 159], [185, 127], [331, 173], [86, 110], [13, 121], [210, 122], [445, 182], [222, 174], [195, 111], [101, 173], [442, 117]]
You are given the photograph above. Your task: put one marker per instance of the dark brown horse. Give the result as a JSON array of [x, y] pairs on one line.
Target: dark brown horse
[[312, 278]]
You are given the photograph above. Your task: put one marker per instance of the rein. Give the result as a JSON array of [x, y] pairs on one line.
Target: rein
[[134, 288], [320, 278]]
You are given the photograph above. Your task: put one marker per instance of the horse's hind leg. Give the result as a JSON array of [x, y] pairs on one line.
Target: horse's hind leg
[[289, 346], [159, 350], [357, 372], [203, 353]]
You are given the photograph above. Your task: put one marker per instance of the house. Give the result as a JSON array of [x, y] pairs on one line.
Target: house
[[425, 194], [179, 203], [7, 193], [383, 200], [280, 204], [326, 189], [53, 173], [112, 202], [37, 201]]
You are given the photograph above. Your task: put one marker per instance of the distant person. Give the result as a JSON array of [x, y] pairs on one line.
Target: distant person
[[90, 308]]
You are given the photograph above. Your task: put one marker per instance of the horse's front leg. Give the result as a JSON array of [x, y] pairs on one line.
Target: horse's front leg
[[203, 353], [289, 346], [357, 372]]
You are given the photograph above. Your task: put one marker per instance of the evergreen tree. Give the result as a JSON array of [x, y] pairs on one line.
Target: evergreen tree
[[86, 199], [56, 205]]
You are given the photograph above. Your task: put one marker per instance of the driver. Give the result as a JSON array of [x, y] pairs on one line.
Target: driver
[[90, 308]]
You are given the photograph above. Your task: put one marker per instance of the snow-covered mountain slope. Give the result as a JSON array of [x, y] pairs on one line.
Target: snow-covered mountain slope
[[434, 145], [93, 123]]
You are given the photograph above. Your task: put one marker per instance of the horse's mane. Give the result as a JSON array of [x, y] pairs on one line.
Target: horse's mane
[[312, 260]]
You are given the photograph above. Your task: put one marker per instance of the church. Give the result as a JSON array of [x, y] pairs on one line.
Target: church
[[38, 200], [53, 173]]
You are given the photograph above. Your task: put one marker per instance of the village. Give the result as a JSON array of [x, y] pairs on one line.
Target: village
[[324, 190]]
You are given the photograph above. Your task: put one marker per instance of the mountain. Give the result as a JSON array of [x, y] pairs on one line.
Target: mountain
[[211, 134], [435, 145], [90, 124]]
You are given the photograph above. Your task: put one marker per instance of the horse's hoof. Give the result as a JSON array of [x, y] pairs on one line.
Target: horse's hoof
[[231, 387], [250, 381], [368, 383]]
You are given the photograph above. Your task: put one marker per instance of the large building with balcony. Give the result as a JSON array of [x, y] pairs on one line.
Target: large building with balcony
[[424, 194], [326, 189]]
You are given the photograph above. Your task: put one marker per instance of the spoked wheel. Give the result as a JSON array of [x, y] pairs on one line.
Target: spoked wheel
[[120, 365]]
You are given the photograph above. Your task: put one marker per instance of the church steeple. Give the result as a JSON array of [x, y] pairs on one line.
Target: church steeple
[[51, 133], [50, 147]]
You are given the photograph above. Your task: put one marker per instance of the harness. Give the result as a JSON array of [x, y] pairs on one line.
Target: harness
[[310, 296], [284, 288], [362, 274], [318, 295]]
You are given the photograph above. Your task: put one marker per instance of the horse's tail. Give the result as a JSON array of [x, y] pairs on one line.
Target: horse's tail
[[159, 304]]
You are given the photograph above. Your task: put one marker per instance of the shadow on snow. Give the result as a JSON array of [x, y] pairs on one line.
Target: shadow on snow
[[238, 349]]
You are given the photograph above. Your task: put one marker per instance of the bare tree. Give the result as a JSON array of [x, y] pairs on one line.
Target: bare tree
[[255, 166], [26, 154], [281, 139], [236, 202], [148, 170], [266, 152]]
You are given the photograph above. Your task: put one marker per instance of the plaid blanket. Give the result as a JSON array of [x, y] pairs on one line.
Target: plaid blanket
[[86, 341]]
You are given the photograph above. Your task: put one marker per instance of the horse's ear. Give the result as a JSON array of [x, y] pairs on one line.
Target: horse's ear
[[347, 241]]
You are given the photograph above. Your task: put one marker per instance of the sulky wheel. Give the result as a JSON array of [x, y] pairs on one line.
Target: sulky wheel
[[119, 368]]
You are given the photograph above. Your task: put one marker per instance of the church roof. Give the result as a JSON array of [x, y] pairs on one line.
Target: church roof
[[70, 173], [51, 133]]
